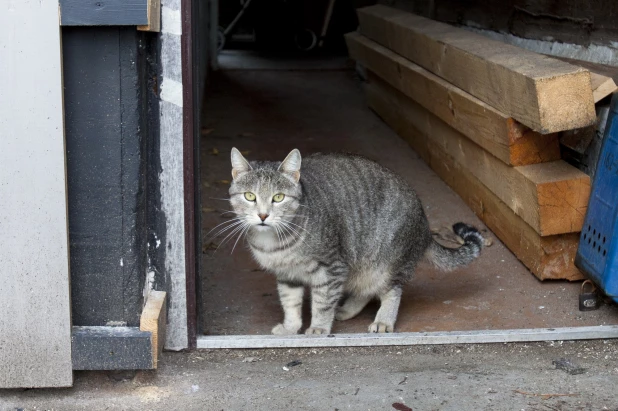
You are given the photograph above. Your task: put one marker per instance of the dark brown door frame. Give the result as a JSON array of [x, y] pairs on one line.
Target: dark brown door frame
[[189, 160]]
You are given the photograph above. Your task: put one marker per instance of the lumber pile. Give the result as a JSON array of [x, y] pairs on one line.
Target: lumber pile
[[487, 117]]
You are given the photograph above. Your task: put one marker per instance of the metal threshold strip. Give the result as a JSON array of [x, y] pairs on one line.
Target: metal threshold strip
[[411, 338]]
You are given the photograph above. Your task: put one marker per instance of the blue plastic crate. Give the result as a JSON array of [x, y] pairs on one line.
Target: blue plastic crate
[[597, 254]]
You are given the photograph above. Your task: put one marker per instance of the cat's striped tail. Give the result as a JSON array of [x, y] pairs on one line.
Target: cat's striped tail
[[448, 259]]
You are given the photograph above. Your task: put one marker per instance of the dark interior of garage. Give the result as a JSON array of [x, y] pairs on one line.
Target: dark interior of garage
[[282, 84]]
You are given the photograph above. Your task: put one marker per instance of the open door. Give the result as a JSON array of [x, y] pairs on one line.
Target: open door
[[35, 314]]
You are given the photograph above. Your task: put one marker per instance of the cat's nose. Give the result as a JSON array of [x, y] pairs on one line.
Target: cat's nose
[[263, 216]]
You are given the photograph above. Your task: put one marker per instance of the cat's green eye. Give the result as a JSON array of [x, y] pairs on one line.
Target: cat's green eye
[[250, 196], [277, 198]]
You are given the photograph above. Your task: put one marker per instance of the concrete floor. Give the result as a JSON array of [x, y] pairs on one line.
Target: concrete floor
[[491, 377], [267, 113]]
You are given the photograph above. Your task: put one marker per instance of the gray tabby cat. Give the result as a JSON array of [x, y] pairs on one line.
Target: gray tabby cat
[[345, 227]]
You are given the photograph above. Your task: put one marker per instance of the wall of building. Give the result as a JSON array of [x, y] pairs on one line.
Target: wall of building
[[126, 167], [579, 22], [35, 318], [579, 29], [106, 123]]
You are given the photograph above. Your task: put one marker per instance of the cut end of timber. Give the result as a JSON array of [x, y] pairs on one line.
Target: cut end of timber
[[565, 102], [530, 147], [154, 320], [563, 192], [154, 17]]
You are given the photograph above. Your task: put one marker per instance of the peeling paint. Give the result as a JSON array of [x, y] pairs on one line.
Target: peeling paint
[[116, 324], [148, 284], [172, 202], [171, 91], [171, 176], [157, 241], [171, 62], [171, 21]]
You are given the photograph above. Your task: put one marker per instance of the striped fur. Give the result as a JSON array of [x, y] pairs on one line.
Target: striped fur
[[348, 229]]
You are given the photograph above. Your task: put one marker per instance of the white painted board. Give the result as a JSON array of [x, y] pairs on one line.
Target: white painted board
[[35, 316]]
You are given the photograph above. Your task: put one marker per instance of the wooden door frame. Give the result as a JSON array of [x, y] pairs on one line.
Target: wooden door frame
[[190, 134]]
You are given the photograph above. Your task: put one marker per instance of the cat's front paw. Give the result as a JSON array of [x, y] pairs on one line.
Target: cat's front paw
[[280, 329], [379, 327], [316, 330]]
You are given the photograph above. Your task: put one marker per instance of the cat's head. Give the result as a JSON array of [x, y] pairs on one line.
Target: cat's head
[[265, 194]]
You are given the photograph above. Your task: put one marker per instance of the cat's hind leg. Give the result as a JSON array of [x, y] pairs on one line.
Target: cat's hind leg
[[351, 307], [387, 314], [291, 296]]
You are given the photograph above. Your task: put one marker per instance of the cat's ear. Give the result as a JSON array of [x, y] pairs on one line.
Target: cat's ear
[[239, 164], [291, 165]]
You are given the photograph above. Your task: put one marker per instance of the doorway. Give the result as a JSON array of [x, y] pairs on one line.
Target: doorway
[[266, 104]]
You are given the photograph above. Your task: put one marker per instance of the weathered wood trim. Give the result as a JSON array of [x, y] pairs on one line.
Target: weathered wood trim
[[170, 176], [154, 17], [104, 12], [190, 166], [111, 348]]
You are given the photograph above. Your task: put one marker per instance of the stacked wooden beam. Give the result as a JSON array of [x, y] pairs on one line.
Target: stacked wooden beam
[[486, 116]]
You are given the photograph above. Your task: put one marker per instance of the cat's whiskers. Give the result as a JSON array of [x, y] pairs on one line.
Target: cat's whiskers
[[288, 222], [290, 244], [242, 233], [236, 225], [277, 232], [236, 228], [292, 231], [288, 234], [231, 223], [296, 225], [227, 211], [230, 235], [284, 236]]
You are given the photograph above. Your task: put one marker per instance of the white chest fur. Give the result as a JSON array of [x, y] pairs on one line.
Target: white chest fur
[[283, 259]]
